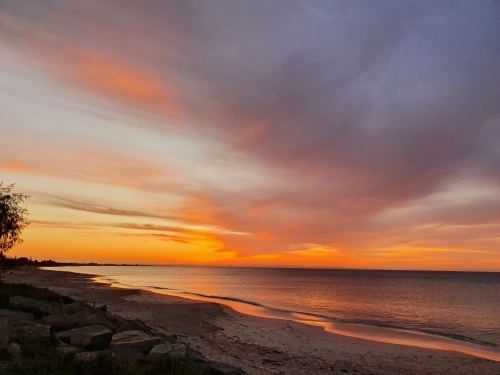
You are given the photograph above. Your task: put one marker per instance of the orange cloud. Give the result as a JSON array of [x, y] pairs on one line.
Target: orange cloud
[[264, 235], [312, 250], [109, 77], [15, 166], [114, 78], [197, 209], [85, 165], [258, 208]]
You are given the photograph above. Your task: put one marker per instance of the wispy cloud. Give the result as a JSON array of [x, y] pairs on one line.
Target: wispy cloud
[[354, 127]]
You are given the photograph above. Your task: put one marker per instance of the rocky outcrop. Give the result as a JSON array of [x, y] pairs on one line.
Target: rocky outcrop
[[116, 320], [136, 340], [133, 357], [63, 322], [135, 325], [91, 338], [29, 303], [3, 367], [14, 350], [73, 308], [225, 369], [12, 317], [28, 330], [88, 332], [175, 350]]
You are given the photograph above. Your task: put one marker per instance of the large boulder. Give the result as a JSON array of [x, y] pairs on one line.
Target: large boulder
[[15, 351], [132, 356], [3, 366], [4, 330], [28, 330], [225, 369], [12, 317], [73, 308], [136, 340], [175, 350], [61, 322], [116, 320], [134, 325], [91, 338], [48, 307]]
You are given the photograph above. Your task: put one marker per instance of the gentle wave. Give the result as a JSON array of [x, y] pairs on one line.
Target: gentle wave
[[315, 316], [446, 311]]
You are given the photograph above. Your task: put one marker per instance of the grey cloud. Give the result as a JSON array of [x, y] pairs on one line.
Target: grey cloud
[[79, 205], [160, 236], [146, 227]]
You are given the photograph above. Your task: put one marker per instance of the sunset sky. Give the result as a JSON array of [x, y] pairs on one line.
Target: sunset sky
[[299, 133]]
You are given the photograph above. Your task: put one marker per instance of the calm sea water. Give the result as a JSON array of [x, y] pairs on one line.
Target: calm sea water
[[461, 305]]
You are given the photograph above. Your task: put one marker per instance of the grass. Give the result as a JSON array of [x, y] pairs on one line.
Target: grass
[[5, 355], [40, 357]]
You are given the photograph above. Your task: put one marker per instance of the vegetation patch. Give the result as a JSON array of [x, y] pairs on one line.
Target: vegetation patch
[[5, 355], [40, 357]]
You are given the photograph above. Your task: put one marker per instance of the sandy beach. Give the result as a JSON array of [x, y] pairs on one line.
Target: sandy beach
[[257, 345]]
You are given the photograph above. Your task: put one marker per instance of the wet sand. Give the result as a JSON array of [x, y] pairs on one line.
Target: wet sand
[[258, 345]]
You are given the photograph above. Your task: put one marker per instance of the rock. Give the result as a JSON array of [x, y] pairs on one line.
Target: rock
[[175, 350], [15, 351], [104, 308], [44, 306], [68, 349], [116, 320], [199, 368], [28, 330], [226, 369], [197, 356], [135, 325], [132, 356], [12, 317], [4, 330], [54, 321], [137, 340], [78, 320], [92, 337], [3, 367], [86, 356], [72, 308]]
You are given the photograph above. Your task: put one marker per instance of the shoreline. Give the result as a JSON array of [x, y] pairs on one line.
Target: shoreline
[[256, 344], [370, 332]]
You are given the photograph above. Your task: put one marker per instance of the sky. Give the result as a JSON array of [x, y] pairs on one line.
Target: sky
[[263, 133]]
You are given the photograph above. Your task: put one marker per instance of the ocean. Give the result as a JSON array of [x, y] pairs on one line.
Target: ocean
[[459, 306]]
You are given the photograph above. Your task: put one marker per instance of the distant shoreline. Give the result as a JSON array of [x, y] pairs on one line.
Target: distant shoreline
[[52, 263], [263, 267]]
